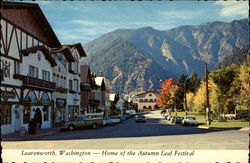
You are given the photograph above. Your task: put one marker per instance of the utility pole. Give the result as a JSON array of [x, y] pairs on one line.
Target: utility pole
[[185, 98], [207, 96]]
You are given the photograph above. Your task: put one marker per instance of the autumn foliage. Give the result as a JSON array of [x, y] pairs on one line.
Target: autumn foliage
[[166, 94]]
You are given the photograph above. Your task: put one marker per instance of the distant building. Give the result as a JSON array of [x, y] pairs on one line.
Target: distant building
[[87, 84], [113, 98], [146, 101], [104, 84]]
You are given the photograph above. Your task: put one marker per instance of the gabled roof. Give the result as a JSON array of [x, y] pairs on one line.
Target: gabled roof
[[65, 51], [99, 80], [85, 73], [143, 94], [79, 48], [46, 53], [30, 18]]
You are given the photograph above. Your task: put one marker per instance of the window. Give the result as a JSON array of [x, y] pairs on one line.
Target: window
[[1, 74], [70, 84], [76, 86], [33, 71], [46, 113], [70, 66], [17, 67], [26, 114], [76, 67], [6, 114], [46, 75]]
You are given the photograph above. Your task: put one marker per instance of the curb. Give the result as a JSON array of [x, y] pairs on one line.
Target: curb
[[32, 136], [225, 128]]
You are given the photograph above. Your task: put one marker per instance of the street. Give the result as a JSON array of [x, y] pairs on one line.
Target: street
[[156, 133]]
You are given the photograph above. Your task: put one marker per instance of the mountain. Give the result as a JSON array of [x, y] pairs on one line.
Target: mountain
[[135, 59], [237, 57], [126, 67]]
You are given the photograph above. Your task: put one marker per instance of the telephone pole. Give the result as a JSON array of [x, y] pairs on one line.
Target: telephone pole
[[207, 96], [185, 97]]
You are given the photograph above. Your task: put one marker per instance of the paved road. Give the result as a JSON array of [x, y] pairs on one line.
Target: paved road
[[155, 134]]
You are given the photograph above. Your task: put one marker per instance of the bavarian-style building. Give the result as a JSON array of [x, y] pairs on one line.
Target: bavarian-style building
[[26, 67]]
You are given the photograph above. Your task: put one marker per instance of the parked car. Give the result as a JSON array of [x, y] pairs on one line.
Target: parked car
[[189, 121], [132, 113], [115, 119], [127, 115], [122, 117], [166, 116], [169, 117], [177, 120], [172, 119], [107, 121], [140, 118], [93, 120]]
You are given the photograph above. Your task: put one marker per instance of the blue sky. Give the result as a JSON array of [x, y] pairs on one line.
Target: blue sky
[[84, 21]]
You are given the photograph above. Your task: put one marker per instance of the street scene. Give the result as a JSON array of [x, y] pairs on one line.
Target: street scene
[[125, 75], [156, 133]]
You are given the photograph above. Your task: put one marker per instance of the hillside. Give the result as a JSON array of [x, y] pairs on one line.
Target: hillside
[[135, 59]]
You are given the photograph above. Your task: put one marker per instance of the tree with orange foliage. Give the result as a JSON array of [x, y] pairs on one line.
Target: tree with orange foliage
[[166, 94]]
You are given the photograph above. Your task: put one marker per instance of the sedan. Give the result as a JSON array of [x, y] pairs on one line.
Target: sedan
[[115, 119], [177, 120], [140, 118], [107, 121]]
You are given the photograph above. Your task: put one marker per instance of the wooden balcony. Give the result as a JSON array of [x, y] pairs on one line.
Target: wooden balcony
[[36, 83]]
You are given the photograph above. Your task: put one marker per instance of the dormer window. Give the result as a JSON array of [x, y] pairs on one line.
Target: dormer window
[[39, 57]]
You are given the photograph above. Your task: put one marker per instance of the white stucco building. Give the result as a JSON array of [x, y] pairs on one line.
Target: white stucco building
[[26, 67]]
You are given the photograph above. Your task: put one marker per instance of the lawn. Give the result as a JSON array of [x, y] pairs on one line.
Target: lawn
[[201, 119]]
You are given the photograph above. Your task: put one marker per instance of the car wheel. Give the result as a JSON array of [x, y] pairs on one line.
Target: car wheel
[[94, 125], [71, 127]]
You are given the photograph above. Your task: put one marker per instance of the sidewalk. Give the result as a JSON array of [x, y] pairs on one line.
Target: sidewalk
[[40, 132], [224, 128]]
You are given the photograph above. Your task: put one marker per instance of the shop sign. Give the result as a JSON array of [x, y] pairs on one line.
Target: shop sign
[[8, 94], [60, 102]]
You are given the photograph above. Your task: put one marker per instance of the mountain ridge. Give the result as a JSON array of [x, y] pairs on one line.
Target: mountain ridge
[[171, 52]]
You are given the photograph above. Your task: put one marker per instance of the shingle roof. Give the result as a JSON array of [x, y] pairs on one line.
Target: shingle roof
[[85, 71]]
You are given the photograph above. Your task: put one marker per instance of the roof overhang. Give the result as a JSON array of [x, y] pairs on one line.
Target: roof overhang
[[46, 53], [66, 52], [79, 48], [17, 14]]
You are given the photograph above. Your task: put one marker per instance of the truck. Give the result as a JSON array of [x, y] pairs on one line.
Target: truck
[[87, 120]]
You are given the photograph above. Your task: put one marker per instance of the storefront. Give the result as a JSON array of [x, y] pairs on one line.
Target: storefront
[[60, 111]]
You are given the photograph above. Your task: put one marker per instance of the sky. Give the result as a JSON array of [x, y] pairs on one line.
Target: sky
[[84, 21]]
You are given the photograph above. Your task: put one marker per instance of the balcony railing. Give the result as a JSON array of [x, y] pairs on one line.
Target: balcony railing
[[38, 83]]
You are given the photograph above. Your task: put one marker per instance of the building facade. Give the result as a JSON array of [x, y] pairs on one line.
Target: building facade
[[62, 57], [73, 78], [26, 67], [146, 101]]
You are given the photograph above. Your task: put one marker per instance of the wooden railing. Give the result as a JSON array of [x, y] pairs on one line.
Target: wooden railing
[[39, 83]]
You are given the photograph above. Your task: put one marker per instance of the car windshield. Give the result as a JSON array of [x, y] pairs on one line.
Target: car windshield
[[191, 118], [141, 116]]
